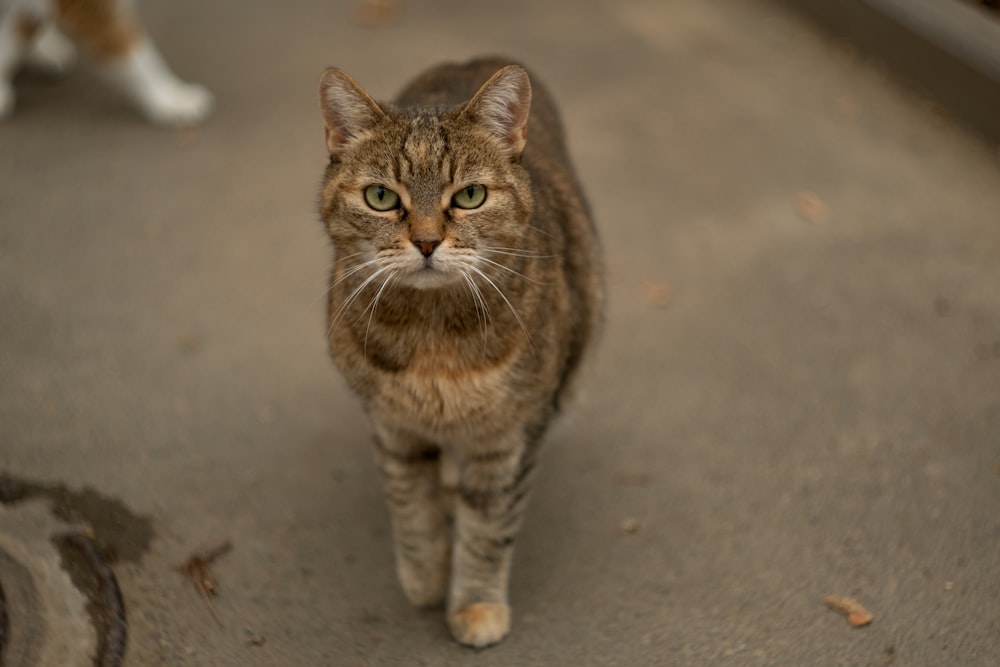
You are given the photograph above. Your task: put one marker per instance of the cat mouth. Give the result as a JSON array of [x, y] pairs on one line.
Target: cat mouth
[[430, 274]]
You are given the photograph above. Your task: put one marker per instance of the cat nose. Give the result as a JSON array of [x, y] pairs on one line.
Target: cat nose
[[427, 247]]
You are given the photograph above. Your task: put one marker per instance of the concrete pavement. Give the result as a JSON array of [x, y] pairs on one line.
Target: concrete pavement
[[797, 392]]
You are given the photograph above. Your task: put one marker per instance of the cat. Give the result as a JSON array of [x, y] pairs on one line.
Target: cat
[[465, 289], [109, 32]]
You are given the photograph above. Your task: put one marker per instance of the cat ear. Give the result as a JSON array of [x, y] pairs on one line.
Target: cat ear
[[348, 111], [502, 105]]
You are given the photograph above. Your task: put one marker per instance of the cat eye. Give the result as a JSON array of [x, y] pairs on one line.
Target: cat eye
[[381, 198], [471, 196]]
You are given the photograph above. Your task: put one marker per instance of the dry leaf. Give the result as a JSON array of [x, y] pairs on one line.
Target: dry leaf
[[811, 208], [197, 570], [859, 619], [856, 614], [373, 13], [657, 294], [630, 526]]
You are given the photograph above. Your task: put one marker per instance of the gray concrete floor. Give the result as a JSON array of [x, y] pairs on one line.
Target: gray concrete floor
[[786, 408]]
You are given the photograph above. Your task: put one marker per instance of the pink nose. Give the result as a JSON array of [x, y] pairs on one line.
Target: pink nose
[[426, 247]]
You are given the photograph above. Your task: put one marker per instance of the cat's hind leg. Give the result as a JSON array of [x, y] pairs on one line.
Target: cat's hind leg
[[16, 32], [112, 35], [51, 51], [421, 532], [166, 100]]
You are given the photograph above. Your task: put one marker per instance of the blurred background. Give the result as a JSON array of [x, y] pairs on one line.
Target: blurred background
[[797, 392]]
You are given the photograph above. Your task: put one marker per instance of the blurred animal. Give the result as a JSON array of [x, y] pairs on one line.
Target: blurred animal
[[464, 292], [109, 32]]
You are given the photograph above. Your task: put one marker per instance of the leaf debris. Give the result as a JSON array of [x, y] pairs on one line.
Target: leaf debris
[[630, 526], [811, 208], [375, 13], [657, 294], [196, 568], [855, 612]]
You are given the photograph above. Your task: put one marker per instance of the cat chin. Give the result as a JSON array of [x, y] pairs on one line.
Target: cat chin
[[428, 279]]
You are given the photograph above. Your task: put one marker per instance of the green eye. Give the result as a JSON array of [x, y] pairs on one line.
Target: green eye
[[381, 198], [471, 196]]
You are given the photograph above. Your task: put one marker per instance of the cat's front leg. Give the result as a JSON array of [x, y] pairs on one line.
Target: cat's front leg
[[411, 477], [493, 491], [51, 51]]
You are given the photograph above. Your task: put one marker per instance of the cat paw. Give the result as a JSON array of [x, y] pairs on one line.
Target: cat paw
[[178, 105], [52, 52], [480, 624]]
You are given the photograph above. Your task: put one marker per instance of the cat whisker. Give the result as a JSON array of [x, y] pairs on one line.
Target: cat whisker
[[541, 231], [354, 295], [482, 301], [514, 252], [374, 307], [507, 268], [482, 310], [348, 273], [354, 269], [339, 258], [509, 305]]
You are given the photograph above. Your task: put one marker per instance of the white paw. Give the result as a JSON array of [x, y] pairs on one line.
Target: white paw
[[177, 105], [52, 52], [6, 100], [480, 624]]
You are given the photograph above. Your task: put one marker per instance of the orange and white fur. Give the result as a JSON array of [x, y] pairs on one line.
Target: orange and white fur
[[47, 33]]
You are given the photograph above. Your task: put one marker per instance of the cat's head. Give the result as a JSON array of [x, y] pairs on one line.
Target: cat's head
[[429, 197]]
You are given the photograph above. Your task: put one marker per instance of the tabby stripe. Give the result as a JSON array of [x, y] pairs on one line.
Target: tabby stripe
[[518, 498], [503, 542], [527, 466], [481, 552]]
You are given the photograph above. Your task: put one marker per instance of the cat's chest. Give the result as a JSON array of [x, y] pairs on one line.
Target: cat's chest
[[435, 372], [441, 399]]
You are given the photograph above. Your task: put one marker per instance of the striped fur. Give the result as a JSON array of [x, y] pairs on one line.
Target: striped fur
[[462, 355]]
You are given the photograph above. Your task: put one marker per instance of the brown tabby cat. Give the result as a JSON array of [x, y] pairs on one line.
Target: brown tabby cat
[[464, 291]]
